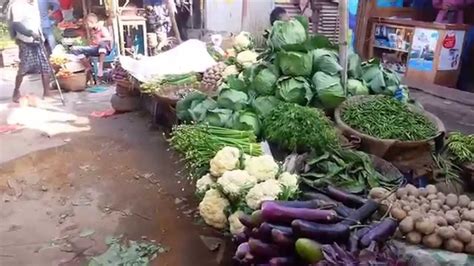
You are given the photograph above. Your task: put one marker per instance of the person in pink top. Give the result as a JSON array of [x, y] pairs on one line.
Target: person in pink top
[[100, 44], [451, 11]]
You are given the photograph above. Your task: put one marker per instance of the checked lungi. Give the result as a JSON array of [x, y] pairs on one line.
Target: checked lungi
[[33, 59]]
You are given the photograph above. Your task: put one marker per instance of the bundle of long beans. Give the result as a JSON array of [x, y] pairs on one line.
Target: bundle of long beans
[[199, 143]]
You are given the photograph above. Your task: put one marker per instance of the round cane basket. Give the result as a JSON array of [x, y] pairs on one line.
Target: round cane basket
[[74, 82], [380, 147]]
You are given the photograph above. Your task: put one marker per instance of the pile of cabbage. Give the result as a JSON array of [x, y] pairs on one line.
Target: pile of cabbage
[[297, 68], [238, 183]]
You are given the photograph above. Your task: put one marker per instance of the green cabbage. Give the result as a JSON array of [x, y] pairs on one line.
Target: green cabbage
[[295, 63], [235, 83], [294, 90], [354, 69], [264, 105], [264, 82], [218, 117], [183, 106], [329, 90], [287, 33], [232, 99], [357, 87], [248, 121], [327, 61], [198, 110]]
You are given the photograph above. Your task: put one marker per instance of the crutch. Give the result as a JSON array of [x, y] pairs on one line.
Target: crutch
[[41, 43]]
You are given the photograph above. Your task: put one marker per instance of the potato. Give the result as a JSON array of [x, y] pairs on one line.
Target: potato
[[407, 225], [439, 202], [431, 189], [412, 190], [413, 238], [411, 198], [465, 224], [452, 219], [469, 248], [457, 208], [468, 215], [471, 205], [398, 213], [414, 205], [432, 241], [463, 235], [454, 245], [423, 192], [453, 212], [446, 232], [401, 192], [424, 200], [406, 208], [378, 193], [440, 220], [431, 197], [451, 200], [445, 207], [441, 197], [415, 215], [425, 226], [405, 197], [435, 206], [463, 201], [425, 207]]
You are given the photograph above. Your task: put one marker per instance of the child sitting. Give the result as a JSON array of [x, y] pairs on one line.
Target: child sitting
[[99, 44]]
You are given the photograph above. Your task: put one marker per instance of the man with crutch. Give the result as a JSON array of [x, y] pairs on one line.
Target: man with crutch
[[25, 27]]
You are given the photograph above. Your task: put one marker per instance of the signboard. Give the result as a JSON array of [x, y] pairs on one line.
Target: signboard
[[389, 3], [450, 54], [423, 49]]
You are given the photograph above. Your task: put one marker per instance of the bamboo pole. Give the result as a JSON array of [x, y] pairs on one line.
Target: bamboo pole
[[343, 43]]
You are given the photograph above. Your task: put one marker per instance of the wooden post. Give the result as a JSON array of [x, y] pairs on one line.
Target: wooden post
[[84, 14], [343, 43]]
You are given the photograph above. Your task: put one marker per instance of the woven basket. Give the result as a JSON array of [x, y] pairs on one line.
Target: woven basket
[[74, 82], [405, 155]]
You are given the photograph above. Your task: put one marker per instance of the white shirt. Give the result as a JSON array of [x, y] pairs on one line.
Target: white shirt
[[28, 15]]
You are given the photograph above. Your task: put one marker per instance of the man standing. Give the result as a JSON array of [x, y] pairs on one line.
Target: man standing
[[45, 7], [24, 19]]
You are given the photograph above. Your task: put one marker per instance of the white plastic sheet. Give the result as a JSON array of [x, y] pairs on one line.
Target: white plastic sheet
[[190, 56]]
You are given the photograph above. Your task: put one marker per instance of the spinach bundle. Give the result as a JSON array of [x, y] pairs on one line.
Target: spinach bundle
[[300, 128], [387, 118]]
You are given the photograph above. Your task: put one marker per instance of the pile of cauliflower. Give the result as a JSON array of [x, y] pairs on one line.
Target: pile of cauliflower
[[236, 182], [243, 53]]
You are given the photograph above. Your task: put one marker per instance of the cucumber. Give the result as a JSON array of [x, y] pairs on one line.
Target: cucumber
[[309, 250]]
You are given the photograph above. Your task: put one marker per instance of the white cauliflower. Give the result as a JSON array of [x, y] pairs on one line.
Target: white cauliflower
[[212, 209], [289, 181], [247, 58], [235, 181], [204, 183], [230, 70], [243, 41], [225, 160], [235, 226], [262, 167], [268, 190]]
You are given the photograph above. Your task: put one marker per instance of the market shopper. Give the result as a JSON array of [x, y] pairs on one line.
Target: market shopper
[[46, 9], [278, 13], [25, 26], [100, 45]]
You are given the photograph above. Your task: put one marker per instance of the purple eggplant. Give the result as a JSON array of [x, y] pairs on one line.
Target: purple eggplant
[[261, 249], [309, 204], [283, 239], [348, 199], [353, 243], [282, 261], [275, 213], [246, 220], [241, 251], [380, 232], [265, 229], [343, 211], [318, 196], [323, 233], [240, 238], [362, 214]]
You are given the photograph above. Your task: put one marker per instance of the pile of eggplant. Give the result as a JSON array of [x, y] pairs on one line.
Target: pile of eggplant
[[310, 231]]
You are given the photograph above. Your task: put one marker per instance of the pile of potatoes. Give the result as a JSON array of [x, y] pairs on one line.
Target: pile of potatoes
[[212, 77], [431, 218]]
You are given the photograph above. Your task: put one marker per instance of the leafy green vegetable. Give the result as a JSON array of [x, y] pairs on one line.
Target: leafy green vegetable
[[249, 121], [327, 61], [218, 117], [329, 90], [198, 110], [232, 99], [356, 87], [264, 82], [183, 105], [235, 83], [371, 117], [461, 147], [298, 128], [295, 63], [294, 90], [286, 33], [348, 169], [354, 68], [264, 105]]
